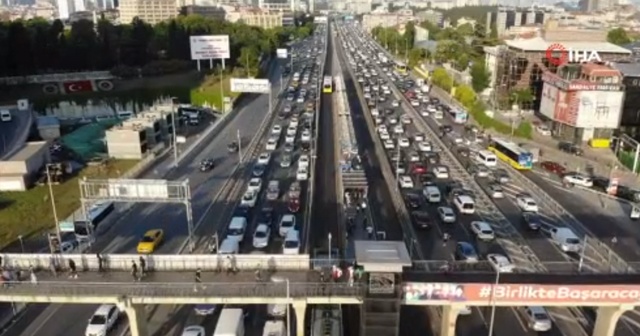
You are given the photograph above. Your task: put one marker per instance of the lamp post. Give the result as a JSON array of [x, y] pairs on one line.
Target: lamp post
[[288, 308], [175, 138], [493, 304], [21, 243], [329, 245], [239, 146], [398, 167], [53, 207]]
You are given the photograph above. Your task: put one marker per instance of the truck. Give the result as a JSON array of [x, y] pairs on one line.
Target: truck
[[273, 190], [230, 323]]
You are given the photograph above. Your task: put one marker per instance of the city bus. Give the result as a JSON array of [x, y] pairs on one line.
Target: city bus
[[459, 116], [511, 153], [327, 84], [96, 214], [401, 68]]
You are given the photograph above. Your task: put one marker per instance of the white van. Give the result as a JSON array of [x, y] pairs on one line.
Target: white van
[[230, 323], [229, 246], [5, 115], [291, 243], [432, 194], [274, 328], [464, 204], [566, 239], [486, 158], [237, 228]]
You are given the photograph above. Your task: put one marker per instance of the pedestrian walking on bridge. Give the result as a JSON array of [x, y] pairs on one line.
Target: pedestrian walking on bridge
[[134, 270], [143, 266]]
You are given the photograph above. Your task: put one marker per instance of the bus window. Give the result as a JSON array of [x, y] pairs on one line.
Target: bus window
[[327, 84]]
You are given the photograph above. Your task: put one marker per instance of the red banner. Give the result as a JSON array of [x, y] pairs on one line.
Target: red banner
[[78, 86]]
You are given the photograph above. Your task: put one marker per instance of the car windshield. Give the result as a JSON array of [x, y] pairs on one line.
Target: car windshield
[[573, 241], [98, 320], [235, 232], [147, 239], [290, 244], [423, 216], [540, 316], [487, 232], [261, 234], [468, 250], [287, 223]]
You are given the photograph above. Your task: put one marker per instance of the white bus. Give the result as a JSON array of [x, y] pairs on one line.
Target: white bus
[[327, 321], [96, 214]]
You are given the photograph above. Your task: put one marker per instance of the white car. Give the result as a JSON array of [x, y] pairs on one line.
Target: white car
[[272, 144], [496, 191], [415, 103], [578, 179], [406, 182], [482, 230], [393, 120], [264, 158], [255, 184], [303, 161], [287, 222], [441, 172], [635, 213], [446, 214], [418, 137], [543, 130], [500, 263], [194, 330], [302, 174], [405, 119], [424, 113], [395, 103], [249, 198], [424, 146], [383, 129], [292, 130], [526, 203], [290, 138], [293, 122], [103, 320], [375, 112], [384, 136], [414, 157], [388, 144], [404, 142], [276, 130], [306, 136], [300, 99], [398, 129], [261, 236]]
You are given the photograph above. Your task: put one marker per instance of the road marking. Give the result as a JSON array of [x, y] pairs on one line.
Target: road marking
[[46, 320]]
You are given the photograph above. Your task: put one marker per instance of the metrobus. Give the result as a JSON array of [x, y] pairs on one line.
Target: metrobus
[[96, 214], [511, 153], [401, 68], [459, 116], [326, 321], [327, 84]]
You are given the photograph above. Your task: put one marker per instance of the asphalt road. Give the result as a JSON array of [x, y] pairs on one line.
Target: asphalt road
[[12, 133], [123, 236]]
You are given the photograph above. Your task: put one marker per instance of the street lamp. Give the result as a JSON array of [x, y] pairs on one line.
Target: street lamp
[[288, 308], [53, 206], [21, 243], [329, 245]]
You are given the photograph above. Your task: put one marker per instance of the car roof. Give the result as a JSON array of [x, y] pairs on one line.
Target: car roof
[[482, 225], [466, 245], [103, 309], [262, 227], [152, 232]]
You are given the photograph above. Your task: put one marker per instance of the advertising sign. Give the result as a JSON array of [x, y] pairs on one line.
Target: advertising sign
[[209, 47], [250, 85], [67, 226], [521, 294], [558, 55], [282, 53]]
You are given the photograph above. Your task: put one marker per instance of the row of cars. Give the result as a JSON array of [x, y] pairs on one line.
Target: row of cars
[[273, 195]]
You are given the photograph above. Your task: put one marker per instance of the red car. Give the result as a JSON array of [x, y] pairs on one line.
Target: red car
[[294, 205], [553, 167], [418, 169]]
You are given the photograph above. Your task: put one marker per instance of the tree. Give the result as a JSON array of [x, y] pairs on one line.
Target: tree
[[522, 97], [441, 78], [465, 95], [465, 29], [250, 60], [618, 36], [416, 55], [461, 62], [480, 76]]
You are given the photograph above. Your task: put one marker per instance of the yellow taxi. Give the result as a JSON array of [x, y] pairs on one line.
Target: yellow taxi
[[150, 241]]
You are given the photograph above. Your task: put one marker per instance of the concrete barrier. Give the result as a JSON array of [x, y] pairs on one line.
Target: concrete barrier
[[177, 263]]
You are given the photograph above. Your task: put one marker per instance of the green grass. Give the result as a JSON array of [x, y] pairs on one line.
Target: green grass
[[29, 212], [626, 158], [210, 93]]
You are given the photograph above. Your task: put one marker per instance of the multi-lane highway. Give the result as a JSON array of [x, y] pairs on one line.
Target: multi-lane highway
[[124, 235], [431, 242]]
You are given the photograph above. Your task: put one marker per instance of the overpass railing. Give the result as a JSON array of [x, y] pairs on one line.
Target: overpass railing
[[117, 290]]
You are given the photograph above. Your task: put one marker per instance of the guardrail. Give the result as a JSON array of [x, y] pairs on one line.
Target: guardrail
[[179, 292], [177, 263], [389, 177]]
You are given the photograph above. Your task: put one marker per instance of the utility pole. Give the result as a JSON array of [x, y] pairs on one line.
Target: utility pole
[[53, 204], [174, 114]]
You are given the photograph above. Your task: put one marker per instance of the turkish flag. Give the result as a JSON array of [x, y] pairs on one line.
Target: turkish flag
[[78, 86]]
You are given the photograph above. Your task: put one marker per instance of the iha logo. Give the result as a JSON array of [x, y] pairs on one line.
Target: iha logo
[[558, 55]]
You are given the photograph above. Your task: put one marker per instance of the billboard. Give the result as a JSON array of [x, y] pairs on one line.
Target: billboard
[[599, 109], [320, 19], [484, 294], [282, 53], [209, 47], [250, 85]]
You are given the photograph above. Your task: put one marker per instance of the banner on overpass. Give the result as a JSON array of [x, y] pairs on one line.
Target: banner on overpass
[[250, 85], [521, 294]]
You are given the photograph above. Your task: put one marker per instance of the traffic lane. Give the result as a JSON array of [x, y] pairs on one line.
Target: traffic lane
[[379, 197], [601, 210], [205, 185]]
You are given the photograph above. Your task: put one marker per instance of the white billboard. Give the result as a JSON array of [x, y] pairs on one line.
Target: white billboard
[[250, 85], [320, 19], [599, 109], [137, 189], [282, 53], [209, 47]]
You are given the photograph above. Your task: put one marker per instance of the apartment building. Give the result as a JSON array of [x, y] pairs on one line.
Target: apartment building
[[150, 11], [260, 18], [400, 18]]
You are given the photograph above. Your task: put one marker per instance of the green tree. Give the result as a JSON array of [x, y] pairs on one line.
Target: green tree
[[521, 97], [250, 60], [465, 95], [409, 35], [441, 78], [480, 76], [461, 62], [618, 36], [416, 55], [465, 29]]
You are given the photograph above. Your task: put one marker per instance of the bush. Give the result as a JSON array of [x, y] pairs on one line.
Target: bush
[[158, 68], [124, 72]]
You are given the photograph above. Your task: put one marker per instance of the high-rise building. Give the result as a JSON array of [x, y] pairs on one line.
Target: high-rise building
[[150, 11]]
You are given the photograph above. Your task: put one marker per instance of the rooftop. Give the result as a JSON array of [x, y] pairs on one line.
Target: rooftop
[[539, 44], [627, 69], [27, 151]]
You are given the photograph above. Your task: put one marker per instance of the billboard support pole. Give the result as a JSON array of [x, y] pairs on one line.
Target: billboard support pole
[[210, 63], [198, 62], [174, 115], [270, 98], [222, 87]]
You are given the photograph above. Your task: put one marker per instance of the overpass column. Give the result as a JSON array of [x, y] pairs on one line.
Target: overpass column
[[300, 308], [448, 322], [137, 319], [607, 319]]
